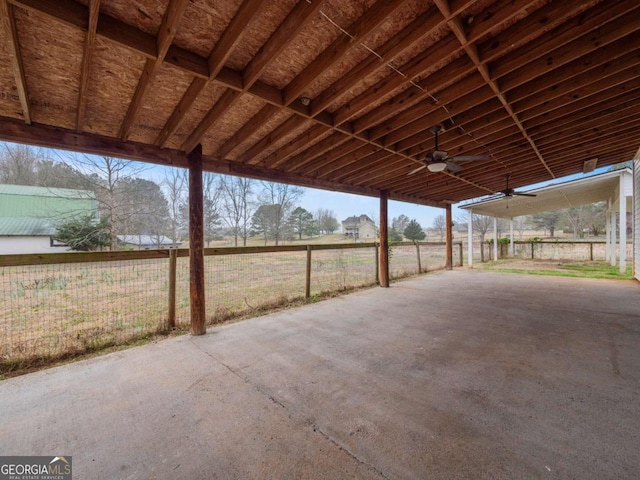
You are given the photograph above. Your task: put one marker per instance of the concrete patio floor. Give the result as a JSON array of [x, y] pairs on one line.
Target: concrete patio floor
[[461, 374]]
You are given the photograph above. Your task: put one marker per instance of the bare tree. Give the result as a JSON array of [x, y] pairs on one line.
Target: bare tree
[[175, 183], [482, 224], [400, 223], [440, 226], [327, 221], [211, 194], [237, 206], [18, 164], [106, 176], [283, 197]]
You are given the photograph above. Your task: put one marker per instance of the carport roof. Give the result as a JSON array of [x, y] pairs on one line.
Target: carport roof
[[557, 196], [333, 94]]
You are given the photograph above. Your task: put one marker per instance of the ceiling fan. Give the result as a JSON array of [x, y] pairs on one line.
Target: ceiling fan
[[510, 192], [439, 160]]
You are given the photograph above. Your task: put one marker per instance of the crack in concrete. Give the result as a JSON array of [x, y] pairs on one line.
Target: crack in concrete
[[301, 416]]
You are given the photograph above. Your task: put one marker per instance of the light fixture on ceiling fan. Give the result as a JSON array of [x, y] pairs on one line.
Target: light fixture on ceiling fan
[[439, 160]]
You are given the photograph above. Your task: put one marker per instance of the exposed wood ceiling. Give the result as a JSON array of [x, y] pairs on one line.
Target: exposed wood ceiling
[[540, 86]]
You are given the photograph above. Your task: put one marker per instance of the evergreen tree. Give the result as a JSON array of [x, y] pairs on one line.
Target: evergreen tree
[[84, 233], [414, 231]]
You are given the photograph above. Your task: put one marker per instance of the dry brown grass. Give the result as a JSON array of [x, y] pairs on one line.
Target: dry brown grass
[[62, 310]]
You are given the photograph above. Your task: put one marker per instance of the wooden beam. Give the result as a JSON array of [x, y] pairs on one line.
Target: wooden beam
[[372, 18], [196, 243], [13, 45], [472, 52], [219, 108], [64, 139], [384, 239], [89, 46], [248, 129], [232, 35], [300, 16], [422, 26], [166, 33]]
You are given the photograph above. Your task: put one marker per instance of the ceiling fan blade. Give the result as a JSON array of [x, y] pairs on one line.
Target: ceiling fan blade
[[453, 167], [467, 158], [524, 194], [417, 170]]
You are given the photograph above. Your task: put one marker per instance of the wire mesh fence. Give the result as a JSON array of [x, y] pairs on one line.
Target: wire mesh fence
[[61, 304], [550, 250]]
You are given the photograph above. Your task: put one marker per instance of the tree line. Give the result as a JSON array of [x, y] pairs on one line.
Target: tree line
[[132, 205]]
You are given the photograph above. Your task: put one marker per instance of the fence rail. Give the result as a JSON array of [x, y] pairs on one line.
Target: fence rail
[[61, 303], [590, 250]]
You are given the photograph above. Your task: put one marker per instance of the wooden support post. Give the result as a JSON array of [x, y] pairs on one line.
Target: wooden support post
[[591, 251], [171, 316], [196, 242], [418, 253], [461, 259], [376, 251], [384, 239], [307, 284], [449, 239]]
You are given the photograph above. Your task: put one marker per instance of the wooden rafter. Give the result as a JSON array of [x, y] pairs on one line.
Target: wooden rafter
[[367, 23], [537, 85], [231, 37], [90, 40], [13, 45], [167, 31]]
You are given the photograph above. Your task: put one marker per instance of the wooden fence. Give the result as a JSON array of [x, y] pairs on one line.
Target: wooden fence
[[71, 302]]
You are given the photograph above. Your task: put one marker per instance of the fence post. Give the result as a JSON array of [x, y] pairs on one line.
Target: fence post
[[461, 259], [307, 285], [171, 317], [532, 245], [591, 251], [375, 248], [418, 253]]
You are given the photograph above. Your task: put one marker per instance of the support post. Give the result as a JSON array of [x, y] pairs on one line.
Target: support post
[[418, 253], [449, 238], [470, 240], [495, 239], [171, 315], [384, 239], [613, 237], [196, 242], [307, 283], [622, 207], [376, 251], [607, 232], [511, 246], [461, 257]]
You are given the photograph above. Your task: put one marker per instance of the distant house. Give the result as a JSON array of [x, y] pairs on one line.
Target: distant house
[[359, 227], [146, 242], [29, 216]]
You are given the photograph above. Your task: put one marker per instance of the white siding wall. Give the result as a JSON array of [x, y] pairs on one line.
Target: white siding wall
[[636, 219], [24, 244]]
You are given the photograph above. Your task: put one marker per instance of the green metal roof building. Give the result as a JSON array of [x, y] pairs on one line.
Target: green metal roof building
[[30, 215]]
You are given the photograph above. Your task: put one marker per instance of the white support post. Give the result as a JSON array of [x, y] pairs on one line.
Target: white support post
[[613, 237], [511, 246], [470, 240], [495, 239], [607, 233], [622, 206]]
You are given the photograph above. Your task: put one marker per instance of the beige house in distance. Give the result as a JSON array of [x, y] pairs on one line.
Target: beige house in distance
[[359, 227]]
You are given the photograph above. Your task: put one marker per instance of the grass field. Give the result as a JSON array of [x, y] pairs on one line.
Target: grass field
[[55, 310]]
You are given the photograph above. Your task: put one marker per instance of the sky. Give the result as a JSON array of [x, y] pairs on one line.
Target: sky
[[343, 204]]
